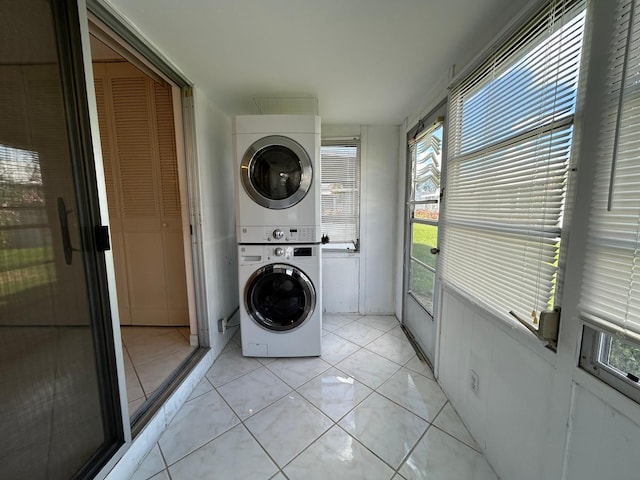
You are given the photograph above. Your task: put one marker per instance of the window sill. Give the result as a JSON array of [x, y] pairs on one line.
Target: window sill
[[339, 248], [335, 253]]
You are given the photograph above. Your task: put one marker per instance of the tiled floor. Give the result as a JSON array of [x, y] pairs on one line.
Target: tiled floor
[[151, 354], [366, 409]]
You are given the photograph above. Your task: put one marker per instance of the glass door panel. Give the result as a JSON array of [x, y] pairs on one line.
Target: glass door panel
[[421, 284], [424, 201], [59, 412]]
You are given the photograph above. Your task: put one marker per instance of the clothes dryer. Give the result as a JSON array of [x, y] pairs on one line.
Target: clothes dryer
[[280, 301], [277, 172]]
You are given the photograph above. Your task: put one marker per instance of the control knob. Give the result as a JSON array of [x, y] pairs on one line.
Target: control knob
[[278, 234], [278, 252]]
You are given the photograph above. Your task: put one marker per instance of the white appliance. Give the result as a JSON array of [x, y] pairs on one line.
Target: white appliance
[[280, 300], [277, 172]]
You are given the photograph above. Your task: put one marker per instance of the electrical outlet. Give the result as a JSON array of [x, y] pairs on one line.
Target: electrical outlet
[[474, 382]]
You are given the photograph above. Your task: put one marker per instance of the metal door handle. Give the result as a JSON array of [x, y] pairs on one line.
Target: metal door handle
[[63, 213]]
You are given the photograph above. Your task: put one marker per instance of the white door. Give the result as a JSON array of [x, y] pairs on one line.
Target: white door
[[424, 187]]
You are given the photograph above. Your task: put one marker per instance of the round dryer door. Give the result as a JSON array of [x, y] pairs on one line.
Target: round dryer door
[[276, 172], [279, 297]]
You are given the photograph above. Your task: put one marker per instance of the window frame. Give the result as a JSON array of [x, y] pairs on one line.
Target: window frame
[[352, 246], [590, 347]]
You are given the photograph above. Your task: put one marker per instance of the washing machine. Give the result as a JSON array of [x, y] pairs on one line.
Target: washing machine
[[280, 300], [277, 173]]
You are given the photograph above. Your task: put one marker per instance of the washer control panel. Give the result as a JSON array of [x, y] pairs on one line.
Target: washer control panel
[[253, 254], [277, 234]]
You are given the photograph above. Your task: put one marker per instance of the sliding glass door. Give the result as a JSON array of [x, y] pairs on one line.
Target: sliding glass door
[[60, 415]]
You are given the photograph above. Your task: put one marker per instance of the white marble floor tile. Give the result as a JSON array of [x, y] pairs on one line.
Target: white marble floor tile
[[266, 360], [287, 427], [296, 371], [150, 466], [397, 332], [397, 476], [336, 348], [254, 391], [204, 386], [418, 366], [396, 349], [199, 421], [387, 429], [359, 333], [449, 421], [231, 365], [334, 321], [279, 476], [381, 322], [335, 393], [439, 456], [231, 345], [337, 456], [415, 392], [233, 455], [163, 475], [368, 368]]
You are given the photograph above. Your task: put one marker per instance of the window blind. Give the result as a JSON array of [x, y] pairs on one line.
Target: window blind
[[510, 136], [610, 296], [340, 192]]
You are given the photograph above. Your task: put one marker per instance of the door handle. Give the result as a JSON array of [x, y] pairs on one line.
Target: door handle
[[435, 251], [63, 215]]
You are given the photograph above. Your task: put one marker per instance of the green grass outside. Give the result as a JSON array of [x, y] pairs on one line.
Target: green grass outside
[[12, 258], [22, 269], [422, 279]]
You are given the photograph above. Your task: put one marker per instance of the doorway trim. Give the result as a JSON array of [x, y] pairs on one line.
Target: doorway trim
[[111, 26]]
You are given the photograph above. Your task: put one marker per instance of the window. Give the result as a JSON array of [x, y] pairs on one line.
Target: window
[[610, 298], [425, 150], [510, 137], [340, 193]]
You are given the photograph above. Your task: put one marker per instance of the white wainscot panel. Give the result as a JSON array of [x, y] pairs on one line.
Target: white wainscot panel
[[603, 443], [520, 401], [340, 283], [508, 415]]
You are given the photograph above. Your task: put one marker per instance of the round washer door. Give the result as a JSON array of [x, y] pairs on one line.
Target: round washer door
[[276, 172], [279, 297]]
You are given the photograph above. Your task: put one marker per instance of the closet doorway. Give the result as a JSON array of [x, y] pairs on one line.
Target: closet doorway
[[139, 114]]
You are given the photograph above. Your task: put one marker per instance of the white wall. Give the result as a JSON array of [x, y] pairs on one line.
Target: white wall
[[365, 281], [217, 219]]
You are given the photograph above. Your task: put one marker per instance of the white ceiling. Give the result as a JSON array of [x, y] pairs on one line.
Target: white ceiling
[[367, 61]]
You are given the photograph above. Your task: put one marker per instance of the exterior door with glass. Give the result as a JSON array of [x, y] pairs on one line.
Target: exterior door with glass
[[425, 146]]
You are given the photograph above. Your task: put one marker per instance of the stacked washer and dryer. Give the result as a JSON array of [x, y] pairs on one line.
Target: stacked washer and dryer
[[278, 228]]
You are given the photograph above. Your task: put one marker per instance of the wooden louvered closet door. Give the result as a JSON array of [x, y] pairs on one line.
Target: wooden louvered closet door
[[141, 173]]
